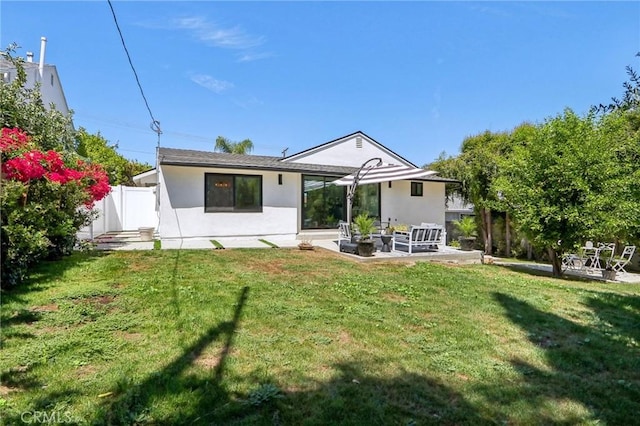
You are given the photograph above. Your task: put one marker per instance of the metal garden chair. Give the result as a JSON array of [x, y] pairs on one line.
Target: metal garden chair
[[619, 264]]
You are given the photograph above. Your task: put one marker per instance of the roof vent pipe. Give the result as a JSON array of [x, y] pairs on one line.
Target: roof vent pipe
[[43, 45], [29, 56]]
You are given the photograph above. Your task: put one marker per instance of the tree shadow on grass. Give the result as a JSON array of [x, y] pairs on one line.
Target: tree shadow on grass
[[596, 366], [132, 401], [350, 397], [354, 397], [42, 276], [45, 273]]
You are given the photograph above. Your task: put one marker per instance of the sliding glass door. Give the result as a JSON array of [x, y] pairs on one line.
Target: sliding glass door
[[324, 204]]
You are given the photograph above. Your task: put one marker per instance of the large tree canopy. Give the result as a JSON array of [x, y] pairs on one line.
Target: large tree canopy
[[572, 182]]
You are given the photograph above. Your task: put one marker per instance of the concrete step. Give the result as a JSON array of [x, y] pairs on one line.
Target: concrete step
[[321, 234]]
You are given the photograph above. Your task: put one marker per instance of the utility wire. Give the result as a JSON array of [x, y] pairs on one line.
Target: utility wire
[[155, 124]]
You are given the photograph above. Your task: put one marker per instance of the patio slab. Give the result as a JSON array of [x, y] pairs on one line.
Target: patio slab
[[444, 254], [596, 275]]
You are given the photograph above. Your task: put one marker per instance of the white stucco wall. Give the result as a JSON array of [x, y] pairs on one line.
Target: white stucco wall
[[182, 205], [347, 153], [50, 85], [398, 204]]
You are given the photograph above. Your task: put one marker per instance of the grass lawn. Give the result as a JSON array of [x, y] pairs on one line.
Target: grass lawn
[[305, 337]]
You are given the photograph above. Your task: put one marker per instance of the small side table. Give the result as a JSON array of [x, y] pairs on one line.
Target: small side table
[[386, 239]]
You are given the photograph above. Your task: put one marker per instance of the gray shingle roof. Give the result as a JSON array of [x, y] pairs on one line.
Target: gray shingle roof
[[190, 158]]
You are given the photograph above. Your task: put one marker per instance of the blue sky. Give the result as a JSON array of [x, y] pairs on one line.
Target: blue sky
[[417, 77]]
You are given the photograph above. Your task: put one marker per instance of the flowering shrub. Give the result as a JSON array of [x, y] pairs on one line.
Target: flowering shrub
[[42, 193], [13, 139]]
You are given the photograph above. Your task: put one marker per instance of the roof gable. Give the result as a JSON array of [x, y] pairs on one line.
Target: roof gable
[[349, 151]]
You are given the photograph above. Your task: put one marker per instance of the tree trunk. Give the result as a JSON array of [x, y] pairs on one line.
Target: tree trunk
[[507, 234], [555, 262], [488, 235]]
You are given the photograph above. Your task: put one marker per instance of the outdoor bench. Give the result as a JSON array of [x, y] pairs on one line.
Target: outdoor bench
[[418, 237]]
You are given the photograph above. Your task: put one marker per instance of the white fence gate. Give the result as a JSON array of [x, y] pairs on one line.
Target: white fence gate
[[126, 208]]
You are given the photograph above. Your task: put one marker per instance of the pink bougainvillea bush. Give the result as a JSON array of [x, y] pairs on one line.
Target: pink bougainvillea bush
[[42, 195]]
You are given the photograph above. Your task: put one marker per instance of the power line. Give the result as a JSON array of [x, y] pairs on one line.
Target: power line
[[155, 124]]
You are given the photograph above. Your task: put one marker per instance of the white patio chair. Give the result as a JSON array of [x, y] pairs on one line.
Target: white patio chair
[[344, 233], [619, 264], [573, 261], [606, 253]]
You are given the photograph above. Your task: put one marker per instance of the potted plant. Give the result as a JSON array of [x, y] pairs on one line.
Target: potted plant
[[608, 273], [306, 245], [366, 245], [467, 227]]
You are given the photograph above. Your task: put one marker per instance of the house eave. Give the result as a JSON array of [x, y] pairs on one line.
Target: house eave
[[255, 168]]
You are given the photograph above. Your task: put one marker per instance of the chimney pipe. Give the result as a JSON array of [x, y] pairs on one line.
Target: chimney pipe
[[43, 45], [29, 56]]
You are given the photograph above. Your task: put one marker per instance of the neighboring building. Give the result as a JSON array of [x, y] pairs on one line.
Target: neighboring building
[[148, 178], [207, 194], [47, 75], [456, 209]]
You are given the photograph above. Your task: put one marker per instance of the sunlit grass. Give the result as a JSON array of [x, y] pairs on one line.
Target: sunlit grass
[[306, 337]]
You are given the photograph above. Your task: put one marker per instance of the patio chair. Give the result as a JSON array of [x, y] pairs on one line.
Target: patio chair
[[591, 255], [573, 261], [605, 253], [344, 234], [619, 264]]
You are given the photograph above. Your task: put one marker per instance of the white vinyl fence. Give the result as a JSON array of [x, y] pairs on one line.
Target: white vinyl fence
[[126, 208]]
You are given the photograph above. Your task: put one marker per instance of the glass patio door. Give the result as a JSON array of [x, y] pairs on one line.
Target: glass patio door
[[324, 204]]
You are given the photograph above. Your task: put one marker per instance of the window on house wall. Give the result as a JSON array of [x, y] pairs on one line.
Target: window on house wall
[[416, 189], [232, 193]]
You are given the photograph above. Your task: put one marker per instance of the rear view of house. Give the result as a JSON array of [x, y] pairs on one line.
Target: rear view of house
[[209, 194]]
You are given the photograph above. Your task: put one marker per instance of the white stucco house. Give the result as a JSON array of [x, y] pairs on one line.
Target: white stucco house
[[211, 194], [39, 73]]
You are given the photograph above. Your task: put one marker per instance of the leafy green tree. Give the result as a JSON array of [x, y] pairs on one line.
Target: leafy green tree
[[225, 145], [476, 168], [569, 184], [631, 97], [97, 149]]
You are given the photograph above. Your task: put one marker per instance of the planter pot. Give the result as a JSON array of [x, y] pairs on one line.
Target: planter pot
[[609, 275], [466, 243], [146, 234], [366, 248]]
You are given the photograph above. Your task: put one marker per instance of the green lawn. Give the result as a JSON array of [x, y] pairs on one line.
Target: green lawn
[[305, 337]]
